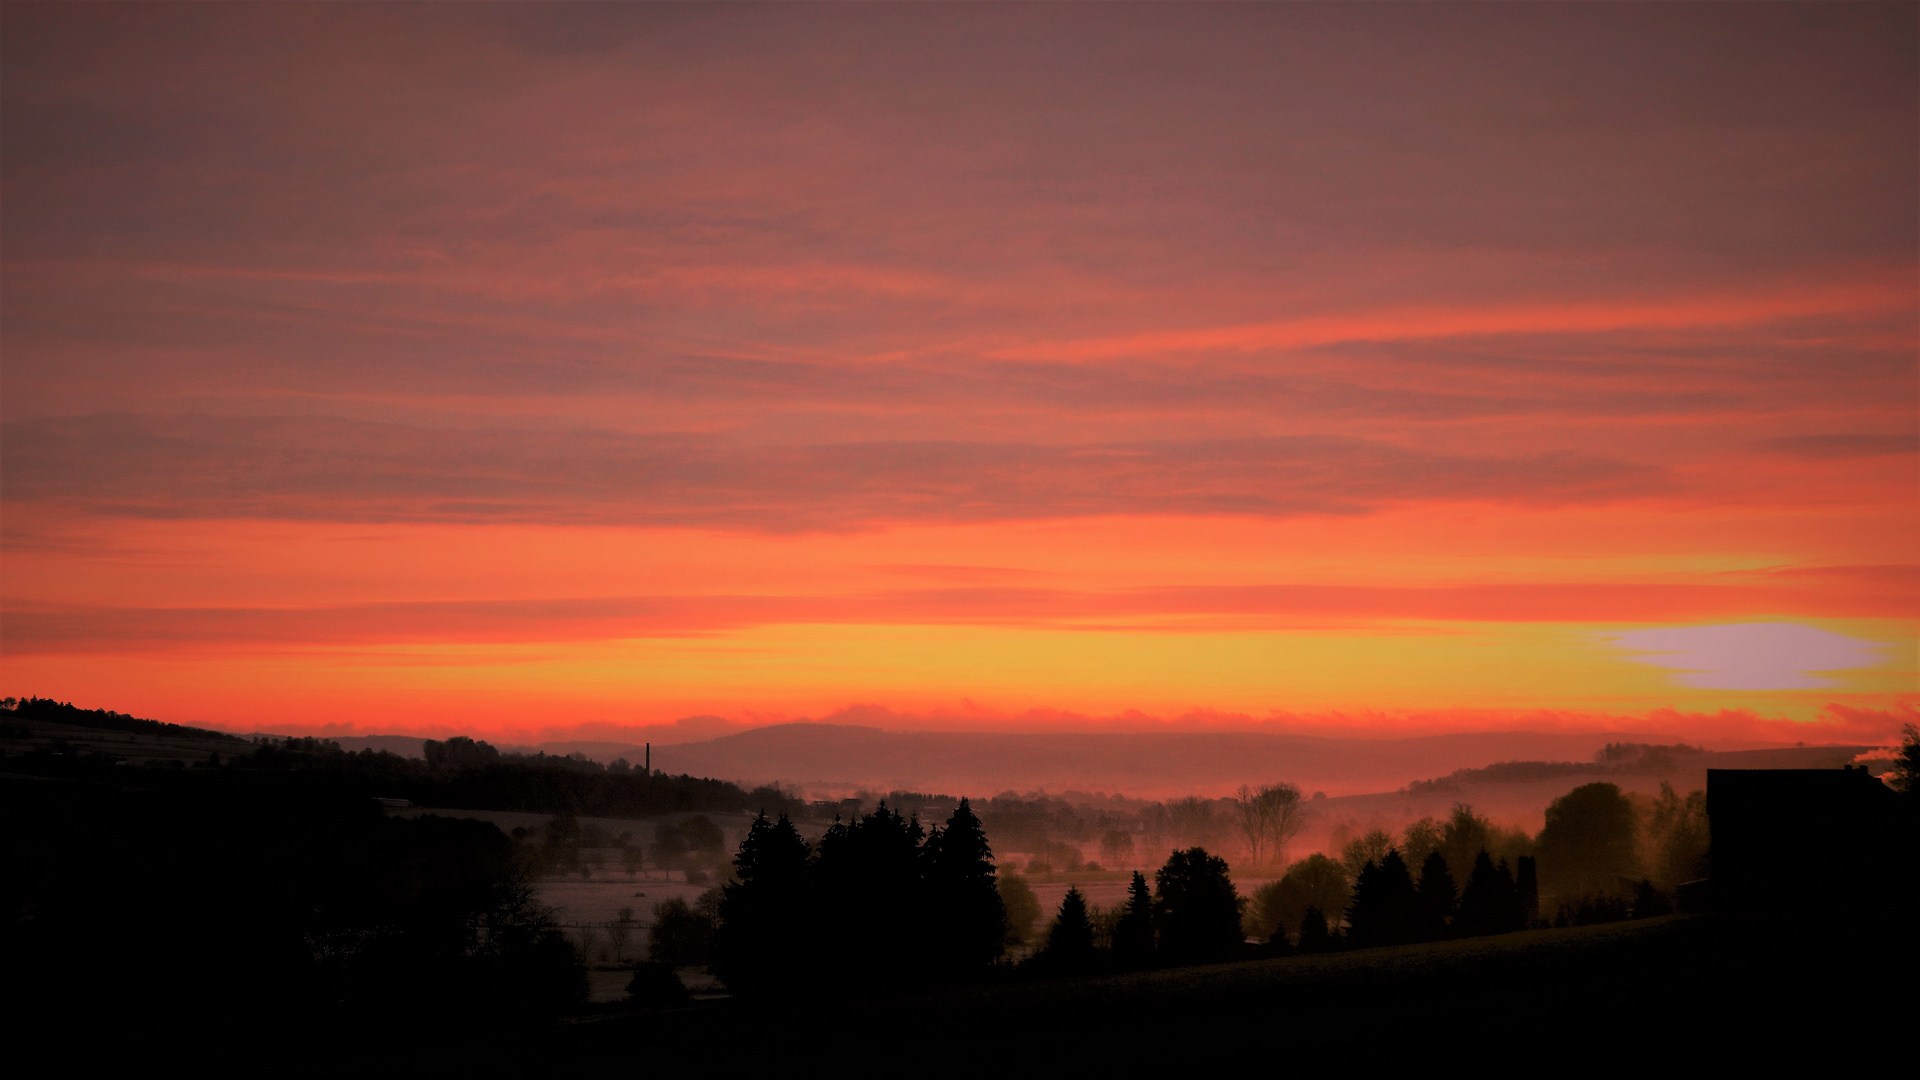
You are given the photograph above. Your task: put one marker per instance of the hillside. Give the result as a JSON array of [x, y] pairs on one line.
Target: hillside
[[824, 758], [1541, 989]]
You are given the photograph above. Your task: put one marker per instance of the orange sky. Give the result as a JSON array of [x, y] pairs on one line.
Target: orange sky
[[504, 369]]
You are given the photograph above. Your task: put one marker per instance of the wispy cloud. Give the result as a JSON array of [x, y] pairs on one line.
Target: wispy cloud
[[1751, 656]]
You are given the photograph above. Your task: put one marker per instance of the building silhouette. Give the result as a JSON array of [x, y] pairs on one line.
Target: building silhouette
[[1803, 838]]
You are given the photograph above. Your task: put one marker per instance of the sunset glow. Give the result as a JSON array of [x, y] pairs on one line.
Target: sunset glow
[[1368, 368]]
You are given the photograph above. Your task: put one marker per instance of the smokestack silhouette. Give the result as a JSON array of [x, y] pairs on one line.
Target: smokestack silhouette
[[649, 762]]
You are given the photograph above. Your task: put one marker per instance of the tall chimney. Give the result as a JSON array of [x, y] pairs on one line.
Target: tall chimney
[[649, 759]]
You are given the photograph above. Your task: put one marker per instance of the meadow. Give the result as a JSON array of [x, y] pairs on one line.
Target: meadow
[[1717, 988]]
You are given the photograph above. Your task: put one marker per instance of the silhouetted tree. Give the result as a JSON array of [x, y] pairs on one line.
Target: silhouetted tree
[[1197, 911], [1383, 908], [562, 829], [1422, 838], [1490, 904], [1133, 934], [1315, 881], [1904, 777], [1070, 938], [968, 924], [669, 847], [1314, 937], [1116, 849], [761, 943], [1526, 880], [1464, 836], [1587, 845], [1677, 840], [701, 834], [1370, 847], [1269, 817], [655, 986], [1434, 897], [1022, 908], [681, 935], [1649, 902], [869, 896]]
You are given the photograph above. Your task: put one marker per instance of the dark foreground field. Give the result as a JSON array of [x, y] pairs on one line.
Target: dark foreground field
[[1697, 990]]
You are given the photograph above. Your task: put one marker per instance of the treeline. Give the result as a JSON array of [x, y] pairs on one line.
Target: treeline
[[163, 898], [1597, 842], [1063, 832], [878, 897], [472, 775], [50, 711], [1612, 759]]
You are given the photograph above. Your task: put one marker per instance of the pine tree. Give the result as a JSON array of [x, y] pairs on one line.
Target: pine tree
[[1196, 909], [1314, 937], [1133, 936], [1434, 897], [868, 895], [969, 922], [1383, 910], [1491, 902], [1070, 939], [762, 942]]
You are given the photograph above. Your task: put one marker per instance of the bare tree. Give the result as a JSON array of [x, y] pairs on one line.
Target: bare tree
[[618, 933], [1269, 817], [1286, 816], [1248, 815]]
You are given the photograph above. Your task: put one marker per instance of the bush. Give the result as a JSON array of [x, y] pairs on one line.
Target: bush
[[655, 986], [681, 935]]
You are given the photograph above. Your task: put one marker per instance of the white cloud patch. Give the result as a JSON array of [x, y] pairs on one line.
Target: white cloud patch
[[1749, 656]]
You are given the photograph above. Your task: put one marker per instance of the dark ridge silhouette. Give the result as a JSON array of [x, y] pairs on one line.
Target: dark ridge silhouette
[[251, 895], [469, 775], [47, 710], [1146, 763]]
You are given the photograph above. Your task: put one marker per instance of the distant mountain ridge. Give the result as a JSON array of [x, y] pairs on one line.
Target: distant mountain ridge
[[826, 757]]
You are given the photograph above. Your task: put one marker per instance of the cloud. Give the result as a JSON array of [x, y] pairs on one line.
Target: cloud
[[1462, 321], [1842, 445], [1751, 656], [313, 468], [1840, 591]]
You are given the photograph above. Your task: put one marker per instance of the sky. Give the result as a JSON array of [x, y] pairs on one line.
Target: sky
[[505, 369]]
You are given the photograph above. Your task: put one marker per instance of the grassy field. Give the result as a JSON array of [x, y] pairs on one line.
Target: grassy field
[[1657, 994], [19, 735]]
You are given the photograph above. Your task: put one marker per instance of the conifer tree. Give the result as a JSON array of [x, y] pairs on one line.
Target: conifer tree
[[1314, 936], [969, 921], [1383, 904], [1070, 939], [1196, 909], [762, 942], [1491, 902], [1434, 897], [1133, 936], [869, 895]]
